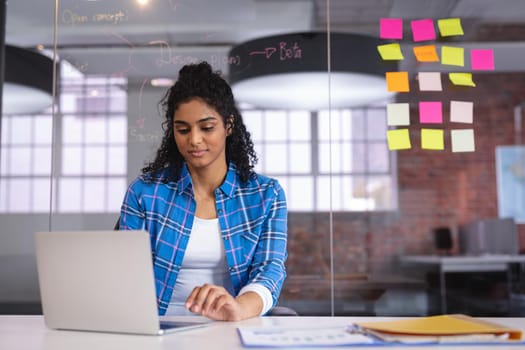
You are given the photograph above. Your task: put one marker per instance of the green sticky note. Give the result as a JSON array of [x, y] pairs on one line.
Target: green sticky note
[[432, 139], [453, 56], [463, 79], [450, 27], [398, 139], [390, 51]]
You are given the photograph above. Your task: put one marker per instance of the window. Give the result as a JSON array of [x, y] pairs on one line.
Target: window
[[90, 152], [26, 163], [313, 152]]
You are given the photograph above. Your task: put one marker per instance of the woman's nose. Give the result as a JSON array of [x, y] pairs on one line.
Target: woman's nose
[[195, 137]]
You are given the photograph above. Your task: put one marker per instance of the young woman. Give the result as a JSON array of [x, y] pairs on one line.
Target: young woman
[[218, 229]]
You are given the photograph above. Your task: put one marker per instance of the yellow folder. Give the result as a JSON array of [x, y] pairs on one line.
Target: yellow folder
[[443, 325]]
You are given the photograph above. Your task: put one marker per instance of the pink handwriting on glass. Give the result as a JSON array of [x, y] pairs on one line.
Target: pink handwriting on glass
[[285, 52]]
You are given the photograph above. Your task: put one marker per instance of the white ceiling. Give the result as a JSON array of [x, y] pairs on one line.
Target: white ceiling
[[120, 37]]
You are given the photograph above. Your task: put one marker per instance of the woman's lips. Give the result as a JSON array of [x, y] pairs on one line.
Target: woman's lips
[[198, 153]]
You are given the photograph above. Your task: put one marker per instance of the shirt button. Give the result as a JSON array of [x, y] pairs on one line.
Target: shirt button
[[219, 211], [232, 269]]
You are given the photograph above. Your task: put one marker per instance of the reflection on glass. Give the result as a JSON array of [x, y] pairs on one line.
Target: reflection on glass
[[21, 130], [95, 160], [300, 193], [279, 158], [300, 158], [254, 123], [43, 130], [276, 126], [19, 195], [300, 126], [94, 194], [72, 160], [20, 161], [41, 161], [94, 129], [41, 193], [69, 195]]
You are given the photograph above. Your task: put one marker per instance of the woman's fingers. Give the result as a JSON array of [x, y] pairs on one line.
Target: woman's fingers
[[202, 299]]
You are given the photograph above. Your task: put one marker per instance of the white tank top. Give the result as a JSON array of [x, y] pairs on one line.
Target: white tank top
[[204, 262]]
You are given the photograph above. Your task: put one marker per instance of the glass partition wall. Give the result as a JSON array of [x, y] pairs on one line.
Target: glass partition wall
[[371, 212]]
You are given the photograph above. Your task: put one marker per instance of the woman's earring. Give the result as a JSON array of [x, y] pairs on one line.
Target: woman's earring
[[229, 127]]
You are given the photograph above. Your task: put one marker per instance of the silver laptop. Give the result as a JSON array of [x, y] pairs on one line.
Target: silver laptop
[[100, 281]]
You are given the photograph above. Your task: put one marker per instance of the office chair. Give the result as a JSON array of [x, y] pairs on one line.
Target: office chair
[[276, 311], [282, 311]]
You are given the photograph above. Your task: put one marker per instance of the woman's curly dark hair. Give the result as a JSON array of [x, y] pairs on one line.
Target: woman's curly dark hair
[[200, 81]]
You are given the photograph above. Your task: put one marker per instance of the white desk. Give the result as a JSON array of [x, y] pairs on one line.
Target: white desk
[[30, 333], [451, 264]]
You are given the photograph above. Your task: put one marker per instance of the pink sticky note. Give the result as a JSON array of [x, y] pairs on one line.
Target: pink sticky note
[[391, 28], [482, 59], [430, 112], [423, 29]]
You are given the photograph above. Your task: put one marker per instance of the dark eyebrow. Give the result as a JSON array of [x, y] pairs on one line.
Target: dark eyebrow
[[203, 120], [207, 119]]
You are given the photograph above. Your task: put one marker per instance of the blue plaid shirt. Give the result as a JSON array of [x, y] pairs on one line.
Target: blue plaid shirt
[[252, 217]]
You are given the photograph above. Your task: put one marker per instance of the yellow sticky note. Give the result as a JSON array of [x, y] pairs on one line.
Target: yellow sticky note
[[450, 26], [432, 139], [390, 51], [397, 81], [426, 53], [454, 56], [398, 139], [464, 79]]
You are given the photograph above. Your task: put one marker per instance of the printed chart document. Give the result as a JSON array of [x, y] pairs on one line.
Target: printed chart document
[[432, 330], [300, 337]]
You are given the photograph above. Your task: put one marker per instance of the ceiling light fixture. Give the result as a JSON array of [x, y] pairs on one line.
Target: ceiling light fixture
[[28, 81], [162, 82], [290, 71]]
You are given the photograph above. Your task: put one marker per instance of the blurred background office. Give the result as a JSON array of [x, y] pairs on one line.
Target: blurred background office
[[372, 231]]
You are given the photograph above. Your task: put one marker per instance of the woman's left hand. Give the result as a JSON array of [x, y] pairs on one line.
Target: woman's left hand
[[215, 303]]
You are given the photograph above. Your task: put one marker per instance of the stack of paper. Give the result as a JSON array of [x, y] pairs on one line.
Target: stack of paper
[[438, 329], [457, 329]]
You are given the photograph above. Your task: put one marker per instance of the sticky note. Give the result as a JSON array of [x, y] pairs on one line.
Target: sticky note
[[398, 114], [391, 28], [432, 139], [390, 51], [454, 56], [423, 29], [429, 81], [462, 140], [464, 79], [397, 81], [482, 59], [461, 112], [450, 26], [398, 139], [426, 53], [430, 112]]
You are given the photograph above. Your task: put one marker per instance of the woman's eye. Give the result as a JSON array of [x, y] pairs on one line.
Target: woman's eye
[[183, 131], [208, 128]]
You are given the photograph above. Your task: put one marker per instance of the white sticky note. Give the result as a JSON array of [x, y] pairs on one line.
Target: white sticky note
[[461, 112], [398, 114], [430, 81], [462, 140]]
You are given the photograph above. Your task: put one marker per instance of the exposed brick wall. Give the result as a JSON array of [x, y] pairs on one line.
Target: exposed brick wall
[[436, 188]]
